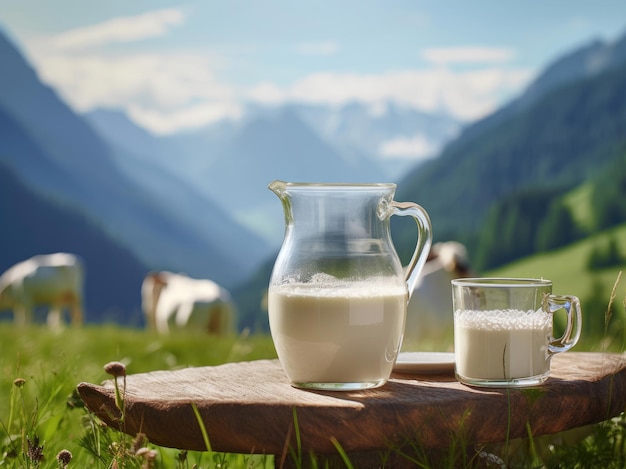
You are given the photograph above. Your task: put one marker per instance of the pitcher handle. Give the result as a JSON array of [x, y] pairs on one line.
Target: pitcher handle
[[424, 239]]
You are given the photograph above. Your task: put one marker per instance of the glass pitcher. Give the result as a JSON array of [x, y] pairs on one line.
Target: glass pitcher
[[338, 293]]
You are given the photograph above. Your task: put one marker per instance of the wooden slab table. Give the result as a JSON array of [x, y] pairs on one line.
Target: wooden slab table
[[249, 407]]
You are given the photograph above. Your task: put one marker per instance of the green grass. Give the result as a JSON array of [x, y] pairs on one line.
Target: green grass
[[44, 412], [566, 267], [52, 363], [40, 368]]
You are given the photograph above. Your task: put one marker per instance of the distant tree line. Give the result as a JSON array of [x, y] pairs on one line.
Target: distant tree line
[[538, 220], [526, 222], [608, 198]]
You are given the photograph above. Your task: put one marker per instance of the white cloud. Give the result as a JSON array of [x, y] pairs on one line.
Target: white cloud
[[467, 55], [267, 93], [164, 84], [124, 29], [467, 94], [163, 91], [171, 91], [164, 80], [416, 147], [318, 48], [154, 88], [196, 116]]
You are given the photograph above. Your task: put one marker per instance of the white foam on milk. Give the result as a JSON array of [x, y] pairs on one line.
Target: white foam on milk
[[507, 319], [327, 286]]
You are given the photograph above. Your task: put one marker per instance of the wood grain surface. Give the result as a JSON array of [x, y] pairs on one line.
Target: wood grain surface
[[250, 407]]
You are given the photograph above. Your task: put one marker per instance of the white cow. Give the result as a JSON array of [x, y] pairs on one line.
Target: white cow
[[429, 314], [52, 280], [172, 301]]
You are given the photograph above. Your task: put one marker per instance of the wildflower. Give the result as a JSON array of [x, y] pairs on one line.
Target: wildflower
[[115, 369], [149, 456], [19, 382], [141, 452], [491, 460], [114, 447], [138, 442], [34, 451], [64, 457]]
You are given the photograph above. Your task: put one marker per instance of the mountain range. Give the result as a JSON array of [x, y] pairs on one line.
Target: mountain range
[[190, 203], [56, 157], [565, 128], [539, 173], [130, 201], [233, 162]]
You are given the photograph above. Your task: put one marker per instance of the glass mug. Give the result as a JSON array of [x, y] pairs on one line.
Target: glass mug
[[503, 330], [338, 293]]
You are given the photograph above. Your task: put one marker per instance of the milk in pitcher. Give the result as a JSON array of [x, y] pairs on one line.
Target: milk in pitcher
[[334, 333]]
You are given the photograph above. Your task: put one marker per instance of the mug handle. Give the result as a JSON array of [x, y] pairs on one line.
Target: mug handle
[[571, 305], [424, 239]]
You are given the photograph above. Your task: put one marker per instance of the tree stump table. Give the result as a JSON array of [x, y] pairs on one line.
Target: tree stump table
[[250, 407]]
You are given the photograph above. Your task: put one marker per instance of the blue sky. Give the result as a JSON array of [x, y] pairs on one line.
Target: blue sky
[[174, 66]]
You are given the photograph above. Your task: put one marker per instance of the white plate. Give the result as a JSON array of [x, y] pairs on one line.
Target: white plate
[[424, 362]]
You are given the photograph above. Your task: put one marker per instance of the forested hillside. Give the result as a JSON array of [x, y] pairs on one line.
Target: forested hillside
[[498, 191], [536, 220]]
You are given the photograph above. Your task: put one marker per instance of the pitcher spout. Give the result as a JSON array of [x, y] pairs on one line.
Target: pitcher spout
[[278, 187]]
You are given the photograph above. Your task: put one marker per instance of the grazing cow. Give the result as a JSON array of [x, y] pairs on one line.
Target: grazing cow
[[429, 314], [52, 280], [176, 301]]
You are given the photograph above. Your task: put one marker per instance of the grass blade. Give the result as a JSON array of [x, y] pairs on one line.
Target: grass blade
[[342, 453], [205, 435]]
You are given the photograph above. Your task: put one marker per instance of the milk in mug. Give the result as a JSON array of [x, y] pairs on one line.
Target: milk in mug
[[502, 344], [337, 334]]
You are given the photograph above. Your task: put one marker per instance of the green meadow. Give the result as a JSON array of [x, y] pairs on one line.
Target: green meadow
[[39, 371], [41, 416], [567, 267], [570, 275]]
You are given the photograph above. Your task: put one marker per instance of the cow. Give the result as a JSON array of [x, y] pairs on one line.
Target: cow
[[50, 280], [429, 313], [176, 301]]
